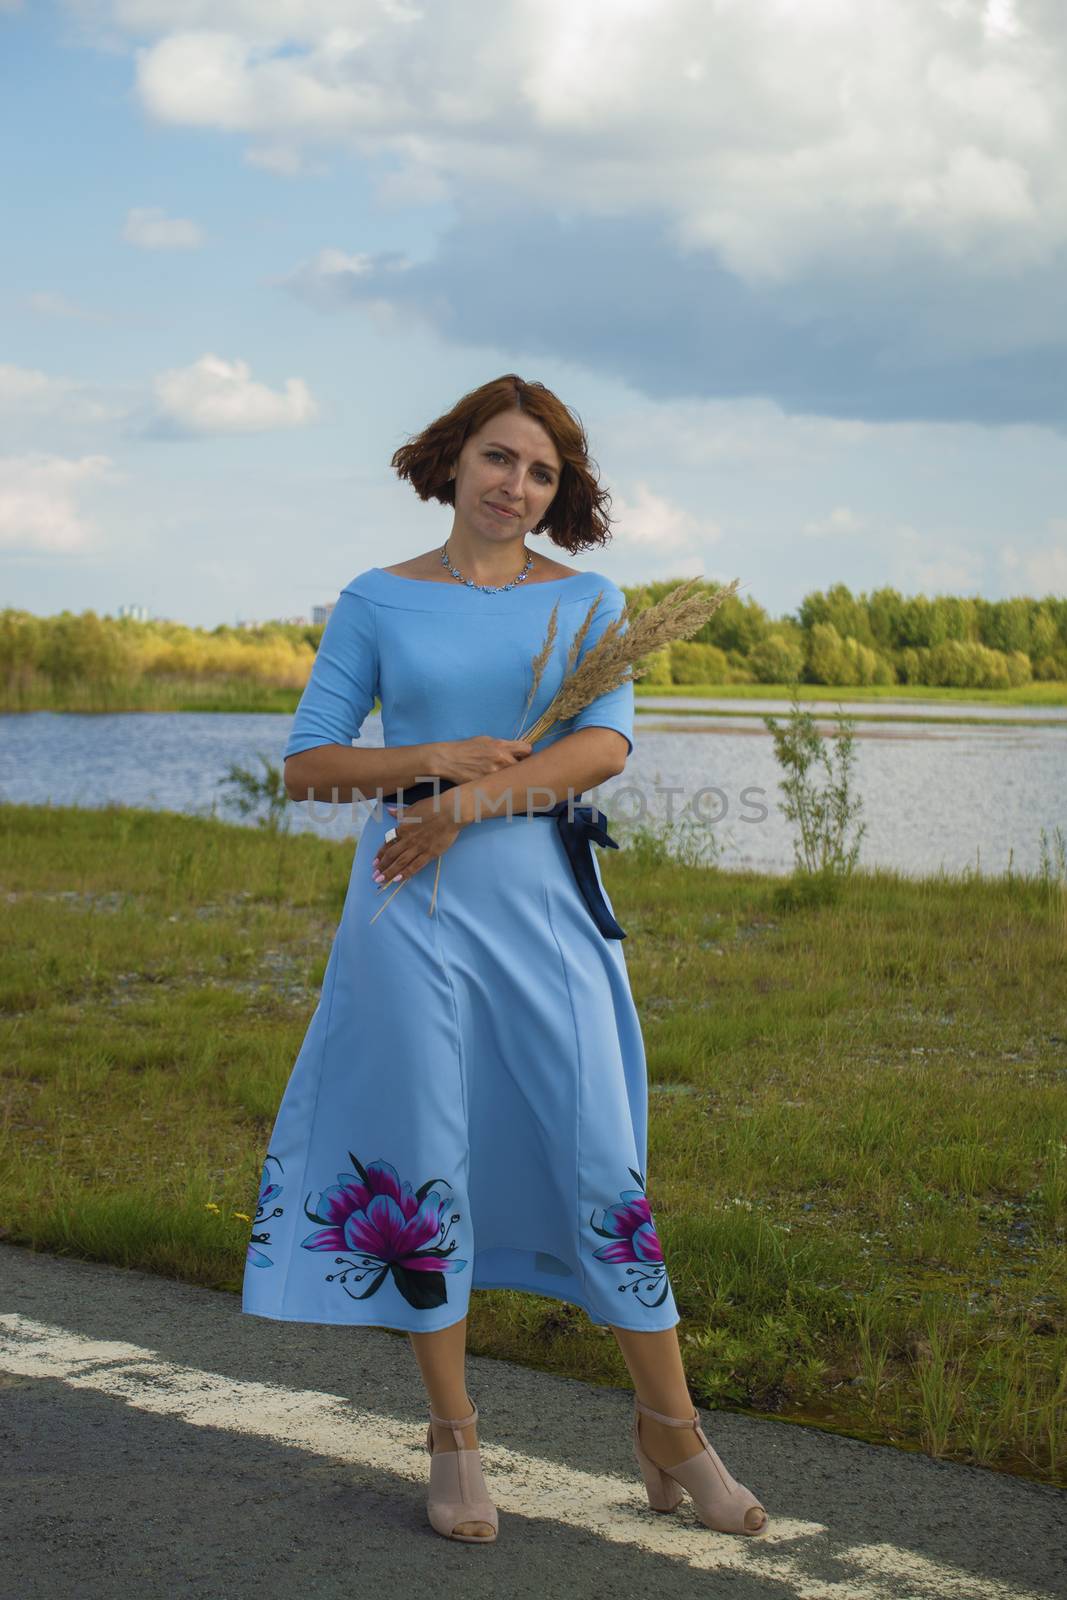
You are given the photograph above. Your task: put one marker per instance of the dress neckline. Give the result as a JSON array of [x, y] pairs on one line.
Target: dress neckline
[[440, 583], [456, 599]]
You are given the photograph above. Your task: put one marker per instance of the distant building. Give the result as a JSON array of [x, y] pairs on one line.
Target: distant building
[[321, 613], [294, 622], [138, 613]]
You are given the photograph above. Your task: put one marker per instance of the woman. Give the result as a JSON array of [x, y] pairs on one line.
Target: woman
[[468, 1108]]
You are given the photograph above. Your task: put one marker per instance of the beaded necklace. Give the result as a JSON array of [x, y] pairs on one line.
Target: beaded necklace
[[486, 588]]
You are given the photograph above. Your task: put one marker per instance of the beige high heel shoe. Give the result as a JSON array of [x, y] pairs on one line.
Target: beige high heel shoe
[[721, 1502], [458, 1491]]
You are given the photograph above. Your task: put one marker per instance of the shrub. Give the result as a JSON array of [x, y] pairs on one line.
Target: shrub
[[832, 659], [775, 660], [698, 663], [659, 666], [823, 815], [960, 664]]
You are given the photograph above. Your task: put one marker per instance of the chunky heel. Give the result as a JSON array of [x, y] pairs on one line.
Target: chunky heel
[[458, 1492], [721, 1502], [663, 1493]]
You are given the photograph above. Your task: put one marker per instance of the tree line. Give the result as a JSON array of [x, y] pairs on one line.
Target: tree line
[[834, 637], [85, 660]]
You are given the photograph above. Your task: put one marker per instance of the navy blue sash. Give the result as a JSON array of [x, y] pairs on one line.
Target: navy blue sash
[[587, 828]]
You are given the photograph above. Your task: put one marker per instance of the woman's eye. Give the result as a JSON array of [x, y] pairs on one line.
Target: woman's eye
[[544, 476]]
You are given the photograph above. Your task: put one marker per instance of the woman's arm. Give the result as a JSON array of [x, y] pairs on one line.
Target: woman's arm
[[329, 767], [572, 765]]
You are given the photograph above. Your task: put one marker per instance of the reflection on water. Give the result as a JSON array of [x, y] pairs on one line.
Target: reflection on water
[[954, 798]]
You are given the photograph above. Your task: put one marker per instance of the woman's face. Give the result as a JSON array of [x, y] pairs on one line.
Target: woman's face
[[511, 462]]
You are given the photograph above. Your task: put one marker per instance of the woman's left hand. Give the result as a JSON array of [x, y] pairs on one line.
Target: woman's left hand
[[424, 831]]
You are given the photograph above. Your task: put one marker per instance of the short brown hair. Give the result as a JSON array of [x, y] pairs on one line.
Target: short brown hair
[[577, 518]]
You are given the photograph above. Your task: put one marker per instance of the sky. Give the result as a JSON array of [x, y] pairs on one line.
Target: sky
[[799, 267]]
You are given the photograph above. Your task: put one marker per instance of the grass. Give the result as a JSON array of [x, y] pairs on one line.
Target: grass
[[244, 695], [857, 1110], [90, 697], [1027, 694]]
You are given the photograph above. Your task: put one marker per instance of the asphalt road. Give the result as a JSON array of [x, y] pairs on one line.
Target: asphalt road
[[159, 1442]]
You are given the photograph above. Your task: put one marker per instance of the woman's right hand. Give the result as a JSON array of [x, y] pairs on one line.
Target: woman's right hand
[[462, 760]]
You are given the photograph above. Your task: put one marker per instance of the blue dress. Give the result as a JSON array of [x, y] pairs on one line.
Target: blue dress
[[468, 1107]]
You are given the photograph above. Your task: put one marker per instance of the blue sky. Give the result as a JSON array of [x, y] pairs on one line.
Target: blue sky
[[798, 265]]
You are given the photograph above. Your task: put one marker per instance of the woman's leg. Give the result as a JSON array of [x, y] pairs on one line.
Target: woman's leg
[[441, 1359], [654, 1361]]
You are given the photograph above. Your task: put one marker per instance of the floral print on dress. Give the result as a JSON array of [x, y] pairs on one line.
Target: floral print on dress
[[632, 1232], [268, 1191], [387, 1227]]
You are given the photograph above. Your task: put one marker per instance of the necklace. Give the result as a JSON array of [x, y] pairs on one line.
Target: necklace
[[486, 588]]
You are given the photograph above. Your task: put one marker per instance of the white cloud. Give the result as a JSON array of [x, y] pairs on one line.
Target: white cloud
[[842, 519], [1042, 570], [47, 304], [217, 396], [284, 160], [775, 135], [219, 79], [695, 435], [1000, 17], [328, 280], [27, 392], [943, 575], [38, 505], [414, 185], [926, 563], [651, 526], [150, 228]]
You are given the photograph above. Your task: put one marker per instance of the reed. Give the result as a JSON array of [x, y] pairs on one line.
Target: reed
[[621, 653]]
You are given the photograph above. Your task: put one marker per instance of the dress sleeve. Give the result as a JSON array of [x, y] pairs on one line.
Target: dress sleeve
[[344, 681], [614, 708]]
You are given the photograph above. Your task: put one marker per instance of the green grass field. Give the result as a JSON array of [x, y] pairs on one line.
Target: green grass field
[[246, 695], [1030, 694], [994, 706], [858, 1110]]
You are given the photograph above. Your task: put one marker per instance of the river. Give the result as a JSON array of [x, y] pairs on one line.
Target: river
[[933, 798]]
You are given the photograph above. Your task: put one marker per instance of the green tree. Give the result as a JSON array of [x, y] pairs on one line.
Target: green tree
[[956, 617], [885, 610], [921, 624], [737, 625], [1006, 626], [659, 666], [776, 660], [697, 663], [826, 658], [839, 608], [22, 637], [86, 648], [1043, 633]]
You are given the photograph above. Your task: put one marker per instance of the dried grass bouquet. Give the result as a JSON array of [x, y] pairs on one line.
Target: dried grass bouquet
[[619, 656]]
